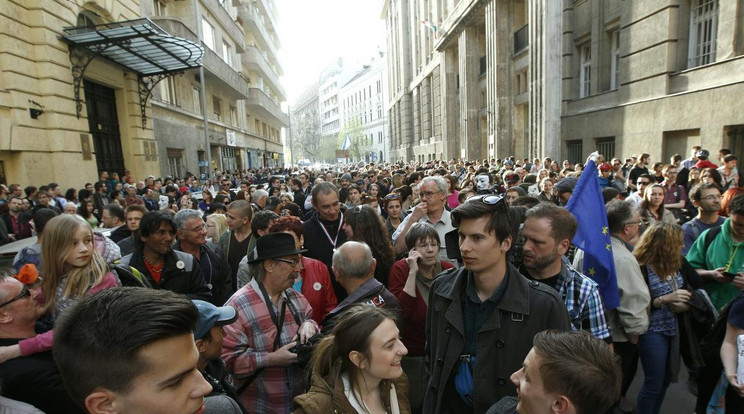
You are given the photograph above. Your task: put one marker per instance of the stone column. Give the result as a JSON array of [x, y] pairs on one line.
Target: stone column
[[450, 103], [469, 65], [499, 100]]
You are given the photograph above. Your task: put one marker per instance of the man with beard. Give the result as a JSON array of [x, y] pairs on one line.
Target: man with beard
[[16, 220], [324, 230], [548, 231]]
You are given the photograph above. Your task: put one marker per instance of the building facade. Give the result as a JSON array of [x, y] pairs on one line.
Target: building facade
[[74, 102], [490, 78], [306, 139], [362, 101]]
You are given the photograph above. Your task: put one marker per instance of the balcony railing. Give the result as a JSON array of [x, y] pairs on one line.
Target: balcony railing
[[521, 39], [256, 61], [259, 102]]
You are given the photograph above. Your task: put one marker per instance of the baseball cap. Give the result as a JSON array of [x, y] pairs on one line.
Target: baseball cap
[[565, 185], [210, 316], [511, 178], [605, 166]]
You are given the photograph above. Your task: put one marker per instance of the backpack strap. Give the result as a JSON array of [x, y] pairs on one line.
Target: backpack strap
[[710, 236]]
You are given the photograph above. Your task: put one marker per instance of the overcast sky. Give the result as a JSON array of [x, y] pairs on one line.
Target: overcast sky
[[314, 33]]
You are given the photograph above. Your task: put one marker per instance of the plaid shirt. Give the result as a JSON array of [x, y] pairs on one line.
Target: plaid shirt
[[583, 302], [249, 341]]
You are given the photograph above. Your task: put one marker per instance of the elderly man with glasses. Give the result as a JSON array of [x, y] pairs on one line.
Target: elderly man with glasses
[[191, 235], [32, 379], [273, 318], [433, 191]]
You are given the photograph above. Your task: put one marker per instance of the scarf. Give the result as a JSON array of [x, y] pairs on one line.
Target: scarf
[[423, 284], [359, 406]]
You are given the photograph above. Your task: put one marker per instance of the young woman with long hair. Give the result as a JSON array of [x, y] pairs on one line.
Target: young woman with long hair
[[357, 369], [363, 224], [72, 269], [652, 207]]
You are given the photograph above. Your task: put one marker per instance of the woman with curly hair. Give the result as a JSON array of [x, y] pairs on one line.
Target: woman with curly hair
[[363, 224], [666, 272]]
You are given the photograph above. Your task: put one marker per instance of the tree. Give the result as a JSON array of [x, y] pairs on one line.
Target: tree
[[360, 142], [306, 137]]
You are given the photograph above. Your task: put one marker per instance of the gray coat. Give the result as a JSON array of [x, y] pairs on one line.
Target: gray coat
[[503, 342]]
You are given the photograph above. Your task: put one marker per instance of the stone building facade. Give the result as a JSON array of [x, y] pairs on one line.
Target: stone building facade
[[116, 124], [490, 78]]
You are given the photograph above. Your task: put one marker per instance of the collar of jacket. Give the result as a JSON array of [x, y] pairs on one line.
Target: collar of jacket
[[516, 298]]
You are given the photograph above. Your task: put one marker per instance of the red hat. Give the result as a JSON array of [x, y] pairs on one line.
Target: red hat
[[605, 166]]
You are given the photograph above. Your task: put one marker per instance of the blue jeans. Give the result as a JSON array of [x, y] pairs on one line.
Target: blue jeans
[[653, 349]]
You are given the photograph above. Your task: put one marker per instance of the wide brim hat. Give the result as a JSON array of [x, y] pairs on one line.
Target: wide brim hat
[[273, 245]]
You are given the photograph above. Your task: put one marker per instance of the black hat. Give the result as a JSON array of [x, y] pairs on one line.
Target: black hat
[[273, 245]]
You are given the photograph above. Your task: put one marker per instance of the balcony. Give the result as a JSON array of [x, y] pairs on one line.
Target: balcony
[[233, 29], [261, 104], [254, 23], [521, 39], [254, 60], [269, 12], [215, 69]]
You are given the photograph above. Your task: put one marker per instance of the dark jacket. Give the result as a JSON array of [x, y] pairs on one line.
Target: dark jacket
[[373, 293], [526, 308], [319, 247], [23, 223], [120, 233], [327, 395], [181, 274], [218, 280]]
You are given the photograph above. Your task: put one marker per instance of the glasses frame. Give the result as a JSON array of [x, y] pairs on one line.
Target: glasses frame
[[24, 292], [293, 263], [205, 227]]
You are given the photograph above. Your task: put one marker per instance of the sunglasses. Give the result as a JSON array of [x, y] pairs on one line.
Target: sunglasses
[[393, 196], [24, 292]]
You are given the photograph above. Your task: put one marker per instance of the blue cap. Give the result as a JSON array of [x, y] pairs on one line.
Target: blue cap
[[210, 316]]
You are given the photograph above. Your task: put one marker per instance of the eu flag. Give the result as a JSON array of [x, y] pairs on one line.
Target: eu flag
[[593, 235]]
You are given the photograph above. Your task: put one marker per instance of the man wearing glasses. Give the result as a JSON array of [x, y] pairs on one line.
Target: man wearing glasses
[[33, 379], [272, 319], [482, 317], [191, 235], [430, 210], [643, 181]]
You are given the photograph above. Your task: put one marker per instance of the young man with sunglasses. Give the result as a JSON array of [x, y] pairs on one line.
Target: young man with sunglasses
[[482, 317], [642, 182]]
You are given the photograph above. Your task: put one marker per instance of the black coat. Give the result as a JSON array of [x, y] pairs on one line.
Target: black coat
[[185, 278], [219, 279], [321, 248]]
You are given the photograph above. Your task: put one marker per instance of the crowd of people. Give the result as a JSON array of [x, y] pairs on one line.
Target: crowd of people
[[439, 287]]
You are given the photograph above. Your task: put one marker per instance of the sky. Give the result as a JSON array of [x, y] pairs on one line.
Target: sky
[[314, 33]]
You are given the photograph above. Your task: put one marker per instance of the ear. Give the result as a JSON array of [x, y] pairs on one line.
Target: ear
[[358, 359], [506, 244], [201, 346], [374, 265], [5, 317], [563, 246], [561, 405], [101, 401], [302, 241]]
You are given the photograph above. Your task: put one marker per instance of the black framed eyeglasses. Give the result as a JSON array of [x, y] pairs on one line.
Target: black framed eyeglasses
[[292, 263], [24, 292]]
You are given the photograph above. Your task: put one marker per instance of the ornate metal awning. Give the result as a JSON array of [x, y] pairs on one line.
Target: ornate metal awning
[[137, 45]]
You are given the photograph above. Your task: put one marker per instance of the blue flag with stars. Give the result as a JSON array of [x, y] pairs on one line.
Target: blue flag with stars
[[593, 235]]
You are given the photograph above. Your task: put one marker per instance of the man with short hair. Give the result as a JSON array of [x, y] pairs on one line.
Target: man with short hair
[[729, 172], [132, 216], [690, 162], [298, 195], [235, 242], [258, 199], [306, 186], [42, 201], [707, 200], [272, 319], [324, 229], [137, 355], [132, 197], [17, 221], [156, 264], [55, 194], [33, 379], [644, 180], [482, 317], [564, 373], [433, 192], [641, 167], [100, 196], [191, 235], [354, 269], [629, 320], [722, 255], [547, 233], [113, 220]]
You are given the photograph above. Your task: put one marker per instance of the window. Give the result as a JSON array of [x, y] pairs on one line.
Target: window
[[703, 27], [168, 90], [226, 55], [234, 115], [175, 163], [217, 108], [158, 7], [196, 96], [585, 72], [379, 137], [575, 150], [379, 111], [606, 147], [208, 34], [615, 56], [379, 86]]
